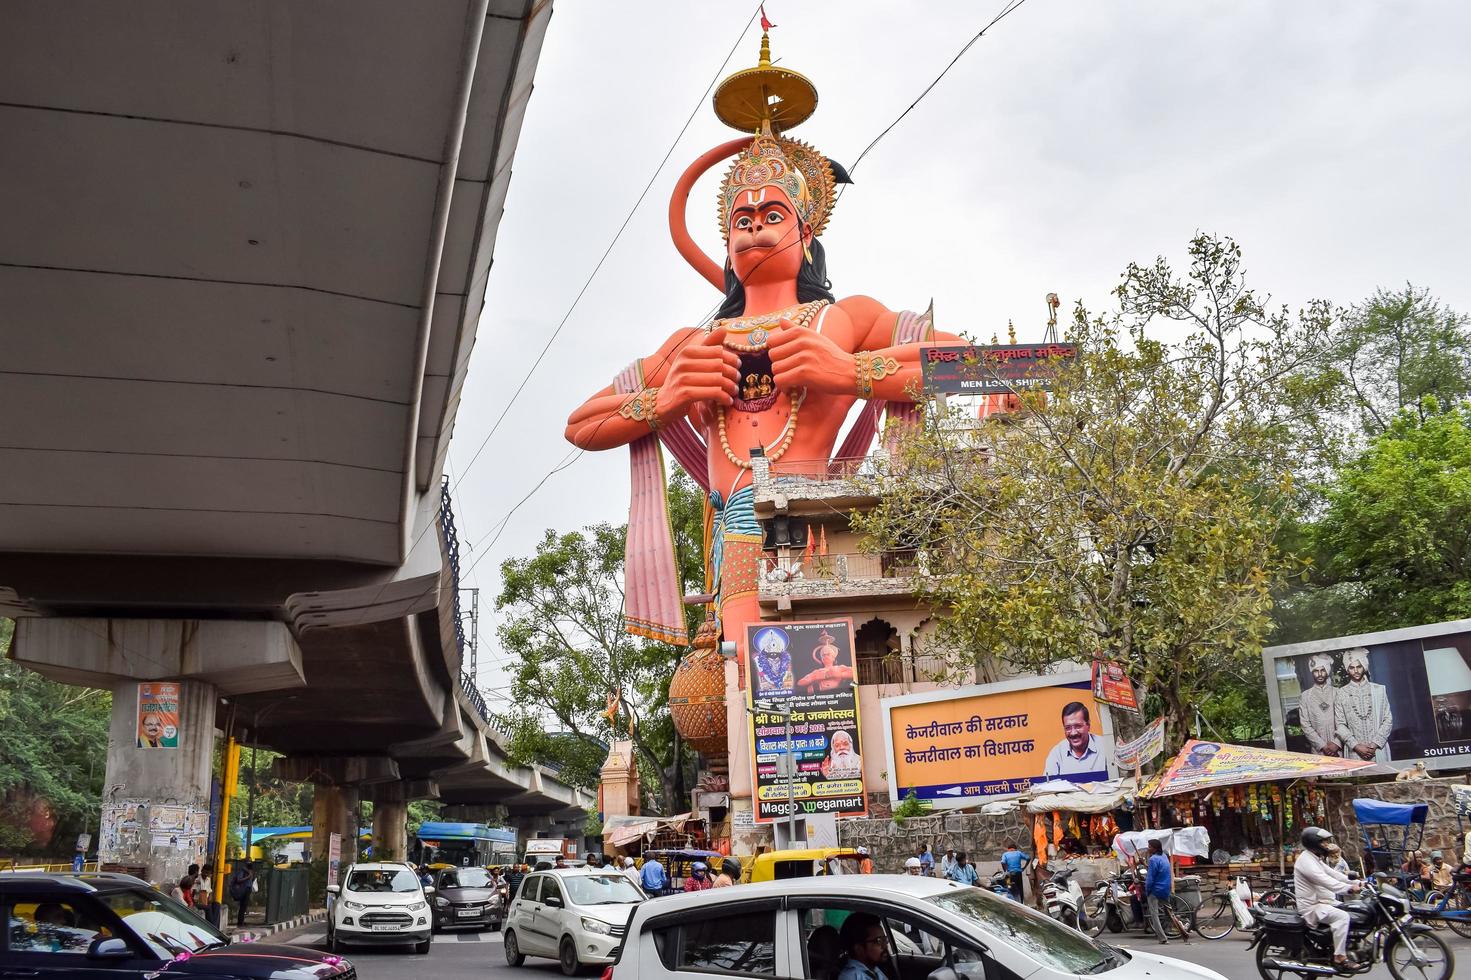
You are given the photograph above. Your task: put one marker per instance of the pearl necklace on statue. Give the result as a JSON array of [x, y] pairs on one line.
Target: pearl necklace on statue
[[749, 335], [783, 442]]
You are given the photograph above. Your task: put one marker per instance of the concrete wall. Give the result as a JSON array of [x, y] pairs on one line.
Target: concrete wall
[[981, 837], [1441, 829]]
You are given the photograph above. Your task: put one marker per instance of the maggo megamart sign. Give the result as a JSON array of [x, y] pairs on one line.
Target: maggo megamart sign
[[992, 370]]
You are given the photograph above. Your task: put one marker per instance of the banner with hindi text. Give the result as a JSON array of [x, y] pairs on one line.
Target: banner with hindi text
[[953, 748]]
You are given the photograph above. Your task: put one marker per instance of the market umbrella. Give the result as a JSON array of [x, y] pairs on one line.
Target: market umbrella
[[1206, 765]]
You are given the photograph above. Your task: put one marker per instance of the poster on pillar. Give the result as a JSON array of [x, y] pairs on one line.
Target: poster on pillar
[[158, 715], [807, 669]]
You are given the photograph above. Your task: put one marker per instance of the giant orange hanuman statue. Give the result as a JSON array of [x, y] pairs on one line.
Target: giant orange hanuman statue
[[777, 371]]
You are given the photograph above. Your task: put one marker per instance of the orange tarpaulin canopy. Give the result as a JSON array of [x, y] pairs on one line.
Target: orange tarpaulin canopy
[[1207, 765]]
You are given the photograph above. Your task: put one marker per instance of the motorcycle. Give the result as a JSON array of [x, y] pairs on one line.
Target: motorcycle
[[1000, 886], [1382, 929], [1062, 897]]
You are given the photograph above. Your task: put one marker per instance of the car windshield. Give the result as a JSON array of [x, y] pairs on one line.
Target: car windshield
[[386, 880], [468, 878], [166, 926], [1043, 939], [612, 889]]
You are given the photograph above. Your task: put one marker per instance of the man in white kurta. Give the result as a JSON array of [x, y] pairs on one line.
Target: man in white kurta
[[1361, 712], [1316, 886], [1315, 708]]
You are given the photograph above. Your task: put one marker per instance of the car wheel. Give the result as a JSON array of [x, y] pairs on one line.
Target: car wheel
[[567, 956], [514, 956], [495, 925], [422, 948]]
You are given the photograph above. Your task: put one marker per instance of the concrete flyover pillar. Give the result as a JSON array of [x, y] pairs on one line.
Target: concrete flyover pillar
[[391, 830], [155, 802], [335, 811]]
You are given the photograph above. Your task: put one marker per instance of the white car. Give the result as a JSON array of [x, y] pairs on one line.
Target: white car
[[379, 903], [925, 929], [576, 916]]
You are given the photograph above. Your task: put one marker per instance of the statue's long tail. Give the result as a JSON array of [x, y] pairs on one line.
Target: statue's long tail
[[712, 271]]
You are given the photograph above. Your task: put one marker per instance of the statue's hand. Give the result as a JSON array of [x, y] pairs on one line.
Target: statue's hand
[[702, 371], [803, 358]]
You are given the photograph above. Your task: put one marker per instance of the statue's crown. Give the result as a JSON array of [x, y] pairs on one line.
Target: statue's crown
[[766, 100], [798, 169]]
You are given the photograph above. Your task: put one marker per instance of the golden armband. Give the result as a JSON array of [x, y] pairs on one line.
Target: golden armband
[[640, 408], [870, 368]]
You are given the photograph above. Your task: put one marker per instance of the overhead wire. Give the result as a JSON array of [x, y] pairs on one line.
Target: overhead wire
[[1007, 9], [715, 78]]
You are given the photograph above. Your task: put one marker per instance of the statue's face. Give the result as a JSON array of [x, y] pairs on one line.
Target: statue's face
[[765, 236], [829, 656]]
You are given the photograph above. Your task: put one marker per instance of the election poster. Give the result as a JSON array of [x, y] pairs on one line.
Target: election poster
[[1112, 685], [806, 668], [1134, 753], [158, 715], [954, 748], [1395, 697]]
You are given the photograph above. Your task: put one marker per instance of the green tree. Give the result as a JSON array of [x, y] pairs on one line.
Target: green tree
[[1393, 546], [53, 753], [1134, 510], [1401, 349], [563, 629]]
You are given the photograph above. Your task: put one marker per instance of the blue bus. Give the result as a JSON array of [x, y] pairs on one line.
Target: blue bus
[[463, 845]]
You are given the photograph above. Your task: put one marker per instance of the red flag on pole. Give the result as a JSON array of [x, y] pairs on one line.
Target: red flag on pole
[[766, 25]]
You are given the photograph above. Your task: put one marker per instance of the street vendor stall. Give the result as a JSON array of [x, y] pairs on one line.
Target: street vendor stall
[[1249, 798], [1077, 823]]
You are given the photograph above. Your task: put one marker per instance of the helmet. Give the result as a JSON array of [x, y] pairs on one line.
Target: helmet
[[911, 862], [700, 866], [1316, 839]]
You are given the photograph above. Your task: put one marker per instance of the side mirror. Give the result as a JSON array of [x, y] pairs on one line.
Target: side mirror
[[334, 889], [428, 889], [109, 949], [552, 901]]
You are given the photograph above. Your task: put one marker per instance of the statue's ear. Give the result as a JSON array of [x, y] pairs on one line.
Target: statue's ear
[[840, 175]]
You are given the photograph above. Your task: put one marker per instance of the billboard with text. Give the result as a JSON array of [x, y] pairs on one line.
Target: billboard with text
[[958, 747]]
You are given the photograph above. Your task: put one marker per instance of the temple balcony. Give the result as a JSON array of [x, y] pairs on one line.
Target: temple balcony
[[833, 582], [811, 487]]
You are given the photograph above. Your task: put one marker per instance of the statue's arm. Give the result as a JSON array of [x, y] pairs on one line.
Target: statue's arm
[[873, 333], [691, 367]]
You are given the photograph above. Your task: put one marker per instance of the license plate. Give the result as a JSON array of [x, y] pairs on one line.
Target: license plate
[[468, 913], [388, 928]]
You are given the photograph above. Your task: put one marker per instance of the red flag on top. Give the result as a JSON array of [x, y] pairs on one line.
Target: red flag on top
[[766, 25]]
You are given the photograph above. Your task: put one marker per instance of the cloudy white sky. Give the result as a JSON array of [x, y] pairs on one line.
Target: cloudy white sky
[[1331, 139]]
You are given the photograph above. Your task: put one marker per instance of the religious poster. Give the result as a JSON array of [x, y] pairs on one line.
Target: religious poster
[[1206, 765], [1395, 697], [158, 715], [807, 668], [991, 370], [1112, 685], [1134, 753], [953, 748]]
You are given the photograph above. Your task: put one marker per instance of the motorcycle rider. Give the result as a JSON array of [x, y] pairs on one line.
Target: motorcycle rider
[[1317, 885]]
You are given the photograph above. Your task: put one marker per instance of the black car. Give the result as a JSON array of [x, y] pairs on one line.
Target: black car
[[467, 897], [114, 927]]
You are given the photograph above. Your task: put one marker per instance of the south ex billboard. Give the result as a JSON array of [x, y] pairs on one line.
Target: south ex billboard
[[1395, 697], [959, 747]]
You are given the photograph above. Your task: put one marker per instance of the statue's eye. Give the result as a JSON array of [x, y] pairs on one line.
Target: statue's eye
[[743, 222], [775, 217]]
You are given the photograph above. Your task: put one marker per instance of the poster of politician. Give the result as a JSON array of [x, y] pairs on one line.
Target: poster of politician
[[806, 667], [158, 715], [1395, 697], [953, 748]]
